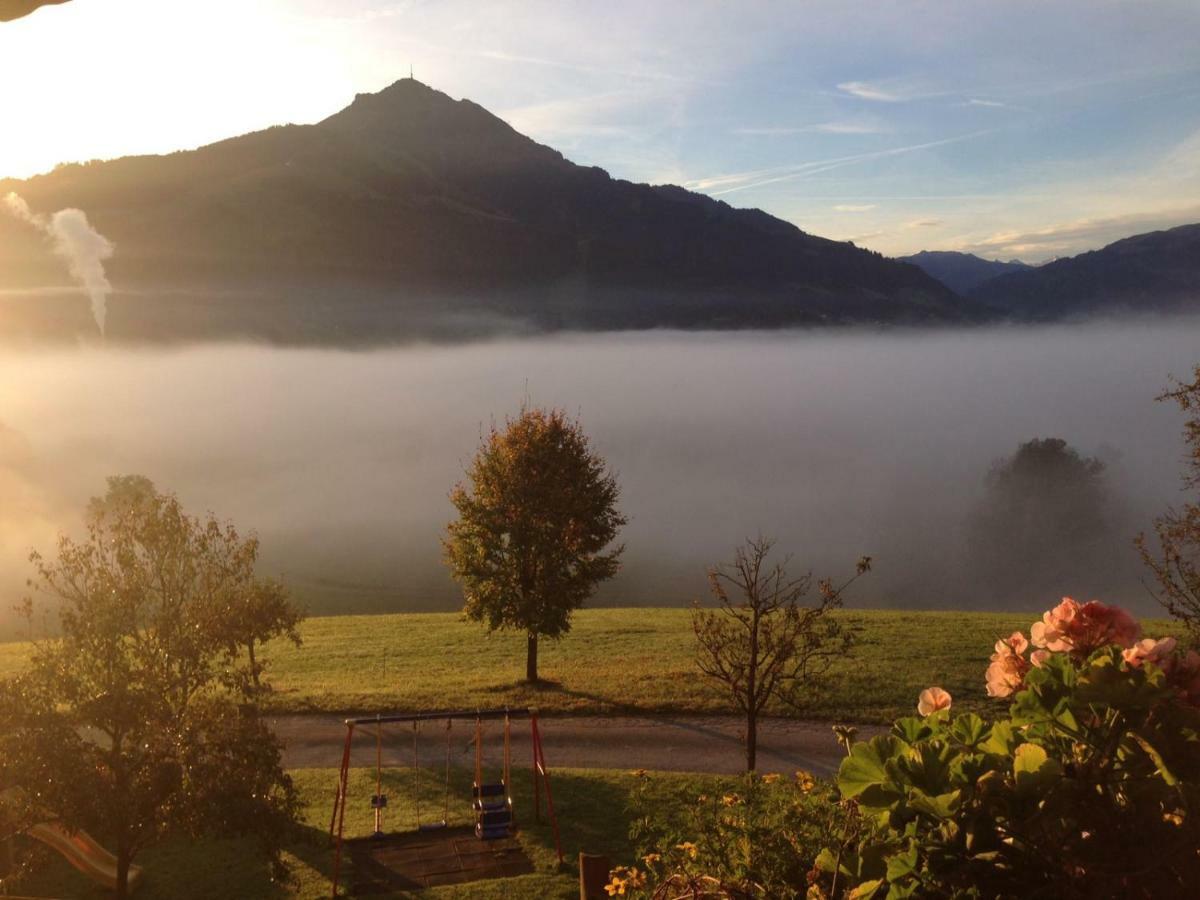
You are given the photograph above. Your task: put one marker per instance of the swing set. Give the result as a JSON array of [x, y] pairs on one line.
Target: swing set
[[491, 801]]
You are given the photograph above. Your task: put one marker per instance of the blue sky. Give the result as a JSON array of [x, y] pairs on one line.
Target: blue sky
[[1006, 128]]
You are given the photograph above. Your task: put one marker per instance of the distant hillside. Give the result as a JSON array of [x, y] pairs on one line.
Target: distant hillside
[[408, 206], [962, 272], [1154, 272]]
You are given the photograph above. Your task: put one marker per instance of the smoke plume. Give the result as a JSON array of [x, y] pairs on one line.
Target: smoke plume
[[77, 242]]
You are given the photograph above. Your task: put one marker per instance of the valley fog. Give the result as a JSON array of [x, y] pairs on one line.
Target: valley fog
[[838, 444]]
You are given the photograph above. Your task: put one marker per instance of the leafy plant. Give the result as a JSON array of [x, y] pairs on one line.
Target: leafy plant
[[1088, 787], [758, 838]]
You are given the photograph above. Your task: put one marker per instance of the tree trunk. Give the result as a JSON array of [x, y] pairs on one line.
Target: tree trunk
[[124, 857], [751, 740], [253, 664], [531, 673]]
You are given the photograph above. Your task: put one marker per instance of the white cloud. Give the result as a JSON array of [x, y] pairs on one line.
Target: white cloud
[[923, 223], [740, 181], [854, 207], [865, 236], [864, 90]]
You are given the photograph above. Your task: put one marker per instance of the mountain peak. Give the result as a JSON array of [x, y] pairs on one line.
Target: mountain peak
[[413, 118], [961, 272], [405, 95]]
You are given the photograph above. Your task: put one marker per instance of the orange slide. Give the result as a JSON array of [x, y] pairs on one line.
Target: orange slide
[[82, 851]]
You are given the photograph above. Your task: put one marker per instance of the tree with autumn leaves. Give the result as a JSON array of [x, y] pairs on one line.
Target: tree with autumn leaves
[[537, 517]]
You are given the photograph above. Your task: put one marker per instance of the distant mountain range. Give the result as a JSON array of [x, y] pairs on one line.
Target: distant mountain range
[[962, 272], [1146, 273], [408, 212]]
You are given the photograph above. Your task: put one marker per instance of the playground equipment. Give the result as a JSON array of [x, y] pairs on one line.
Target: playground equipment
[[491, 801], [81, 851], [79, 848]]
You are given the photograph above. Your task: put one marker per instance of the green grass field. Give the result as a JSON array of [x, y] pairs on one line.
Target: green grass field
[[592, 807], [613, 661]]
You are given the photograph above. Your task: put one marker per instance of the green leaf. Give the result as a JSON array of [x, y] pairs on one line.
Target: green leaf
[[969, 730], [867, 890], [942, 806], [1160, 764], [911, 729], [1033, 769], [1001, 740], [902, 865], [863, 774], [827, 862], [924, 766]]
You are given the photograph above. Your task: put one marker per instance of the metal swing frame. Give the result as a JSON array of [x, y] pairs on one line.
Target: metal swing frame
[[541, 774]]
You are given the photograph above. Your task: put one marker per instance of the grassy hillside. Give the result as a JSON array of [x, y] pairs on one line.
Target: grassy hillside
[[614, 660]]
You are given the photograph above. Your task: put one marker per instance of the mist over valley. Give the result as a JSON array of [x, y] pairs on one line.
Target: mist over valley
[[837, 443]]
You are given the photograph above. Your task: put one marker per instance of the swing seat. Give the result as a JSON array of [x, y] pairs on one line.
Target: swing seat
[[495, 817], [498, 789], [431, 826], [481, 807], [491, 832]]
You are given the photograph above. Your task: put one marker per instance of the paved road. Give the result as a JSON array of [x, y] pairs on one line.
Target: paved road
[[674, 743]]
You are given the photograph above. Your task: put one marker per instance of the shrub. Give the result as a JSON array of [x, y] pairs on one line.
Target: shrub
[[757, 838], [1088, 787]]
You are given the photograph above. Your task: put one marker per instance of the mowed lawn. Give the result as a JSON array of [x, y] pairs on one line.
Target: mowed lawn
[[613, 661], [593, 808]]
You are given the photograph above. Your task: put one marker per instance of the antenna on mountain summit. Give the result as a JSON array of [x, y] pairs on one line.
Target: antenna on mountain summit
[[410, 74]]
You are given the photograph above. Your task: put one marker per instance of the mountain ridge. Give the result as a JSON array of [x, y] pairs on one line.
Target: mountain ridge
[[1156, 271], [410, 195], [961, 272]]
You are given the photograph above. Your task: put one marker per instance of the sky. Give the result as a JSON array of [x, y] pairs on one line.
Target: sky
[[1007, 129]]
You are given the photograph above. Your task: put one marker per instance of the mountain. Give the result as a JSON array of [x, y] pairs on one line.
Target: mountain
[[961, 272], [1154, 272], [408, 209]]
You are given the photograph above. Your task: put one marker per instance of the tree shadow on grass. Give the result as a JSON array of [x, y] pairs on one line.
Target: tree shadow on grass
[[176, 869], [592, 814]]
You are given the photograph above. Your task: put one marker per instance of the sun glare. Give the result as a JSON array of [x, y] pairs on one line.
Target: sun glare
[[165, 76]]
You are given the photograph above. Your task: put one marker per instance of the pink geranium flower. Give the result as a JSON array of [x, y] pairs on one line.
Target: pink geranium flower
[[1079, 629], [1148, 650], [932, 700], [1051, 632], [1006, 674]]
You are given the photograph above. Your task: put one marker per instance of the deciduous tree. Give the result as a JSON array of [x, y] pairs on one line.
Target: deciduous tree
[[761, 643], [140, 720], [1045, 524], [537, 516]]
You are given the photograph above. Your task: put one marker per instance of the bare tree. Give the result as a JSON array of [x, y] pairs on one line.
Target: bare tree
[[1175, 561], [762, 643]]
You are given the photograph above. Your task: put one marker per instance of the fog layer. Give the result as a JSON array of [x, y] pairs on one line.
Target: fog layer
[[838, 444]]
